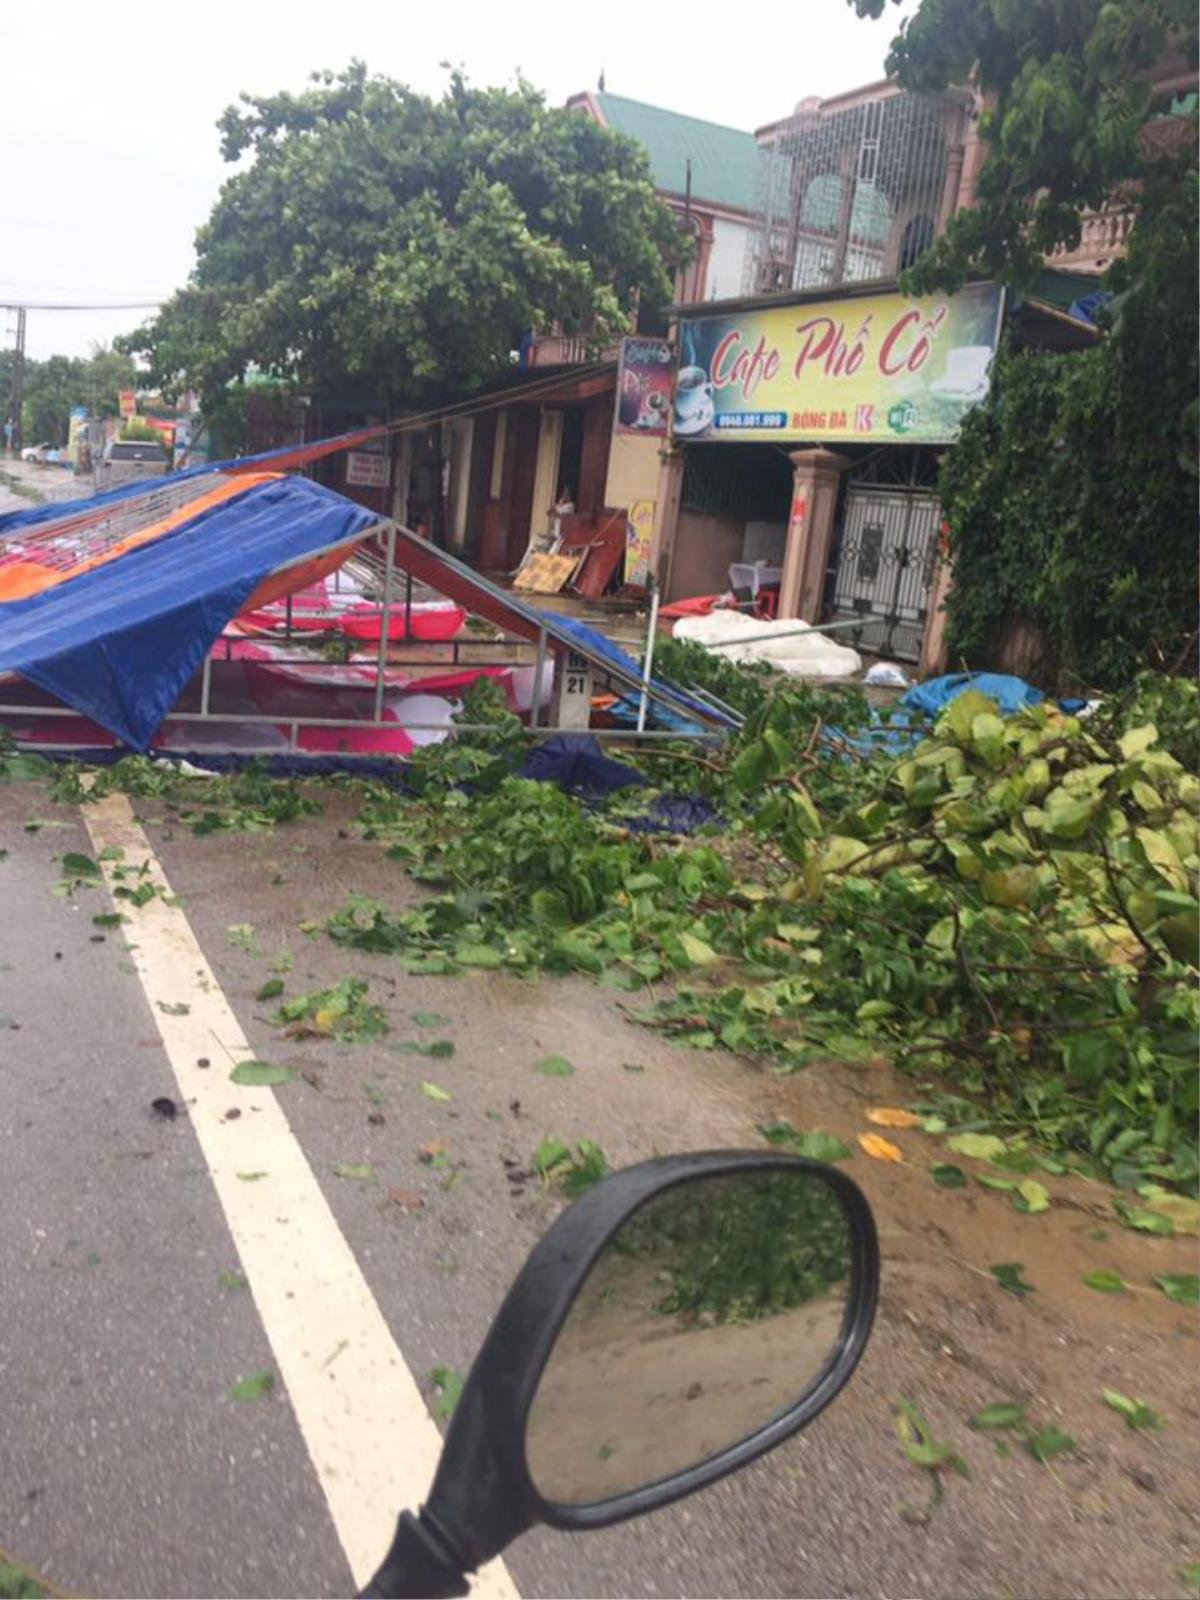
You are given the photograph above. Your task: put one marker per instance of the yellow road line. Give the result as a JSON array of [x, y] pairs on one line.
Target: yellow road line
[[372, 1441]]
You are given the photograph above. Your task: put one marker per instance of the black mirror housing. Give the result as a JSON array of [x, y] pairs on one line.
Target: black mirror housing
[[483, 1496]]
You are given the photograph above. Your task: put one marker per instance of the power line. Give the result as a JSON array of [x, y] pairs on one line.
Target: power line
[[39, 305]]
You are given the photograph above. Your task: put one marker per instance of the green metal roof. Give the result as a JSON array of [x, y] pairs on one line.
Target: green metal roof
[[724, 160]]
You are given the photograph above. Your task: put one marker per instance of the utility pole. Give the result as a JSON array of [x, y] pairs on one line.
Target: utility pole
[[18, 381]]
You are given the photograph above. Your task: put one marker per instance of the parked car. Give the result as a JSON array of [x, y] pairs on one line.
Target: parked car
[[127, 459], [37, 452]]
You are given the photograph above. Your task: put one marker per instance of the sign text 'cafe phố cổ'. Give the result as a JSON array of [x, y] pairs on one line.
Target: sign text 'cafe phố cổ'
[[880, 368]]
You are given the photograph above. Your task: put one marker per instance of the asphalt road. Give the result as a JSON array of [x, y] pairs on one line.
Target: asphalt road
[[126, 1468]]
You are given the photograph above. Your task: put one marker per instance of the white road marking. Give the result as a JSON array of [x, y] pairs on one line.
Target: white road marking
[[372, 1441]]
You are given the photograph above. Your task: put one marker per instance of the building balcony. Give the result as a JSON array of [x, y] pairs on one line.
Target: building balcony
[[1103, 237], [557, 350]]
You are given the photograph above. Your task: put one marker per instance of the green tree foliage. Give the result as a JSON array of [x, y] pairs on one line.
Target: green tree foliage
[[53, 386], [1071, 498], [402, 245]]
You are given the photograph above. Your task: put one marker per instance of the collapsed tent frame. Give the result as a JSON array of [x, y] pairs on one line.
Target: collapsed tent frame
[[541, 630]]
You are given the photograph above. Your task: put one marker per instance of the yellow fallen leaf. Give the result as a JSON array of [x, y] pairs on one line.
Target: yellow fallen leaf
[[880, 1148], [893, 1117]]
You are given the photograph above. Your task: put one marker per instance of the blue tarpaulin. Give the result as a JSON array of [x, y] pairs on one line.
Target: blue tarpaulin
[[119, 643], [1010, 694]]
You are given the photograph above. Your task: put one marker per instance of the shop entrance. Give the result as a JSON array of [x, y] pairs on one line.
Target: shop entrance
[[884, 566]]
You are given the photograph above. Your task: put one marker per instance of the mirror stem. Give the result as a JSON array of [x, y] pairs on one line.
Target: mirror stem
[[419, 1565]]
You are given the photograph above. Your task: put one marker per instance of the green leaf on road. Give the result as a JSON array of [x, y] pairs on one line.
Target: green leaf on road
[[988, 1181], [232, 1280], [448, 1383], [241, 934], [79, 866], [947, 1176], [814, 1144], [260, 1074], [16, 1583], [258, 1386], [1031, 1196], [920, 1446], [356, 1171], [1047, 1443], [431, 1019], [1008, 1275], [434, 1092], [269, 990], [555, 1067], [1143, 1221], [1002, 1414], [550, 1154], [1183, 1287], [109, 919], [1190, 1575], [1106, 1281], [983, 1146], [478, 955], [251, 1177], [176, 1008], [1138, 1415]]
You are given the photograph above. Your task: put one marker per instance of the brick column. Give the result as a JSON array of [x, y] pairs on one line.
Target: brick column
[[816, 475], [935, 657]]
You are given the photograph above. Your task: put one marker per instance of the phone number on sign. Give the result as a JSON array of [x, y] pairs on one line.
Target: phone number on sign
[[752, 419]]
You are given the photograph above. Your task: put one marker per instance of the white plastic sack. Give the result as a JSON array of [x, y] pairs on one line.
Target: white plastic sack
[[886, 675], [803, 654]]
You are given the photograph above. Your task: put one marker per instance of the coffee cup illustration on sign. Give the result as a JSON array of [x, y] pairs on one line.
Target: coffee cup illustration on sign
[[693, 400], [966, 373]]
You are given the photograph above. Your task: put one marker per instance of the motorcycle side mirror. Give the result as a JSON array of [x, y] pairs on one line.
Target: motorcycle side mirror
[[680, 1319]]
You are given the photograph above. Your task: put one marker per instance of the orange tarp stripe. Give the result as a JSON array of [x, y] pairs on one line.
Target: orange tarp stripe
[[24, 578], [280, 584]]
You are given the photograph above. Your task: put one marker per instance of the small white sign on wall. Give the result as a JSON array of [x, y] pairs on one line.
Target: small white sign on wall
[[365, 471]]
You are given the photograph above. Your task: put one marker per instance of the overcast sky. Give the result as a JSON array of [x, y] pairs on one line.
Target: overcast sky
[[106, 116]]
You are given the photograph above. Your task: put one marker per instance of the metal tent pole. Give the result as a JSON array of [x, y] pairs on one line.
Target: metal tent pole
[[385, 627], [648, 658]]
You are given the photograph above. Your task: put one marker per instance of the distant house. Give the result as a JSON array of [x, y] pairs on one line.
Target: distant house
[[724, 183]]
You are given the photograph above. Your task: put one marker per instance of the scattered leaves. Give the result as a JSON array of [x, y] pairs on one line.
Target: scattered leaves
[[448, 1386], [923, 1449], [258, 1386], [893, 1117], [260, 1074], [813, 1144], [1106, 1281], [1138, 1415], [1047, 1443], [433, 1092], [879, 1148], [1031, 1196], [555, 1067], [948, 1176], [1008, 1275], [1183, 1287], [982, 1146], [1002, 1414], [270, 990]]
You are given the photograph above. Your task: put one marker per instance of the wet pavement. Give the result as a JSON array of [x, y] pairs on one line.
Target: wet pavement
[[125, 1467]]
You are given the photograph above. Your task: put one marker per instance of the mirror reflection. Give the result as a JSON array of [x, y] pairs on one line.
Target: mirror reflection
[[713, 1309]]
